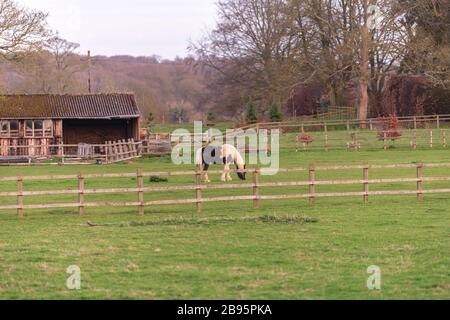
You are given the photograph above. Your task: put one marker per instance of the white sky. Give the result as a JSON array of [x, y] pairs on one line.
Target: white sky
[[134, 27]]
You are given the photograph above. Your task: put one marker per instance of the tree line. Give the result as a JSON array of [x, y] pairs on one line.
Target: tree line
[[260, 58], [266, 50]]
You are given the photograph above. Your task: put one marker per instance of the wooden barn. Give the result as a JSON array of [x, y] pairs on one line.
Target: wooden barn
[[35, 125]]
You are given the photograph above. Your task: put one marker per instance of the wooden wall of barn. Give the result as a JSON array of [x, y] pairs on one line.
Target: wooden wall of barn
[[21, 145], [71, 132], [98, 131]]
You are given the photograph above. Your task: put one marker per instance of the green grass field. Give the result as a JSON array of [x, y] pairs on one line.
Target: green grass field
[[232, 251]]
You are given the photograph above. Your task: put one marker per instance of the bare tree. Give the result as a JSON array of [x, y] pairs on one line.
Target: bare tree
[[252, 49], [67, 63], [53, 69], [428, 49], [21, 30], [357, 44]]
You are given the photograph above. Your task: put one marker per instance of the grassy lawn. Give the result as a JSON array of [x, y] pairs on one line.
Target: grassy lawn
[[232, 251]]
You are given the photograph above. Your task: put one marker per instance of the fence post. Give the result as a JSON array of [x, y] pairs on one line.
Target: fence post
[[444, 137], [129, 151], [438, 123], [415, 123], [419, 181], [256, 188], [63, 159], [123, 149], [370, 125], [348, 125], [20, 197], [366, 182], [130, 148], [384, 140], [415, 140], [126, 148], [113, 151], [119, 150], [198, 188], [312, 185], [140, 185], [134, 148], [106, 151], [80, 194], [61, 150], [431, 138]]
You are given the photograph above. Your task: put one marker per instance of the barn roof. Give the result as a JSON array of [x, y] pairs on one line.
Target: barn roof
[[80, 106]]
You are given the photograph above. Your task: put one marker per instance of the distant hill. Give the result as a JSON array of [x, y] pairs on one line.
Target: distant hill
[[161, 86]]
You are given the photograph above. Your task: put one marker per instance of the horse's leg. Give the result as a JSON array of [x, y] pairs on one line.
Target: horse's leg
[[228, 173], [205, 173], [228, 161], [223, 178], [226, 170]]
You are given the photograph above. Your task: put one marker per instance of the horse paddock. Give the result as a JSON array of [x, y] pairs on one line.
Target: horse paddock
[[285, 249]]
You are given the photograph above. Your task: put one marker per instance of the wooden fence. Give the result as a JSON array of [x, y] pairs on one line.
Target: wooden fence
[[337, 113], [111, 151], [356, 140], [299, 125], [157, 144], [122, 150], [318, 125], [198, 188]]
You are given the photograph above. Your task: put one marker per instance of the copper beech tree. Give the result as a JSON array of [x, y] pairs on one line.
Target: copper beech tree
[[391, 129]]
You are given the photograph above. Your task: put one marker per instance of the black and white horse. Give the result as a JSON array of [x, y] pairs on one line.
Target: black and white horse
[[224, 155]]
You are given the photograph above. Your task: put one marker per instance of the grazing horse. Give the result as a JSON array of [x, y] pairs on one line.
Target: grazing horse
[[225, 154]]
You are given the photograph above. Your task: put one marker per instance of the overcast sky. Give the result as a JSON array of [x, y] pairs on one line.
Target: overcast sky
[[134, 27]]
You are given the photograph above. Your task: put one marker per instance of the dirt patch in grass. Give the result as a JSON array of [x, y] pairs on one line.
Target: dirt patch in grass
[[274, 219]]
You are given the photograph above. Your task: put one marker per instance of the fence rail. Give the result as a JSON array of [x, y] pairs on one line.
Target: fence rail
[[305, 125], [412, 122], [255, 186]]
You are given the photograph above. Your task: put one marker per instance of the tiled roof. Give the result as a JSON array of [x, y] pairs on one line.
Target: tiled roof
[[82, 106]]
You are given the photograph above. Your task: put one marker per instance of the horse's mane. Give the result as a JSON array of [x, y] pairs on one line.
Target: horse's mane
[[239, 160]]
